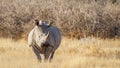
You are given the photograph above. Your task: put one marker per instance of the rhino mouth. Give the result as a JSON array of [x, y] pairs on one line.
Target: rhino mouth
[[45, 45]]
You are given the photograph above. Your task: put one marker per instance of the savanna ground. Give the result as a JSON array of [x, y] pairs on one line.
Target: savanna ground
[[72, 53]]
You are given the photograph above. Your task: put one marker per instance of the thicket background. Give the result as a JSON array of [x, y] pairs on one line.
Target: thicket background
[[74, 18]]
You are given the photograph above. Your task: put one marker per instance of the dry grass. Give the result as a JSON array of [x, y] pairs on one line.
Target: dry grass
[[84, 53]]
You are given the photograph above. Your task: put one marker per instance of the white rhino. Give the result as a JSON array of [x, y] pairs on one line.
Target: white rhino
[[44, 39]]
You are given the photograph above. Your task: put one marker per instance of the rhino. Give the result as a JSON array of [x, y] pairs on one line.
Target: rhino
[[44, 39]]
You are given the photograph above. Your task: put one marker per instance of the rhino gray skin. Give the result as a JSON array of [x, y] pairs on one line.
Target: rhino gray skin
[[44, 39]]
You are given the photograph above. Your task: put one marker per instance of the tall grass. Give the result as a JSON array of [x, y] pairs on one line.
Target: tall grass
[[98, 18], [84, 53]]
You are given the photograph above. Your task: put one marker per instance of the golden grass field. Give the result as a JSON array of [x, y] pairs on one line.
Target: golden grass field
[[72, 53]]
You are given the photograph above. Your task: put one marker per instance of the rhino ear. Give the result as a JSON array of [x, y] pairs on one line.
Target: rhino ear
[[50, 23], [37, 22]]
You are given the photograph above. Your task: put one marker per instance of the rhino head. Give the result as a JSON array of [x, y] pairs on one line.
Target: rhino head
[[44, 23], [41, 32]]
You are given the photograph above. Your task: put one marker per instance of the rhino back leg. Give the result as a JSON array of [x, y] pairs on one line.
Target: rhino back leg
[[37, 53]]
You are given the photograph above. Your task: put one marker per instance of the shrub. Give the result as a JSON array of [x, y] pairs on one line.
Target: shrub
[[82, 18]]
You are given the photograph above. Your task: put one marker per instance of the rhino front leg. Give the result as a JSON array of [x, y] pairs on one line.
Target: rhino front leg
[[37, 53], [52, 55], [48, 51]]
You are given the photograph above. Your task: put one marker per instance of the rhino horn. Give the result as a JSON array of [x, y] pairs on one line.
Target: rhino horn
[[46, 36]]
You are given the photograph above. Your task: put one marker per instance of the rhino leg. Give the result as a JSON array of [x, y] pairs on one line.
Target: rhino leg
[[47, 53], [52, 54], [37, 53]]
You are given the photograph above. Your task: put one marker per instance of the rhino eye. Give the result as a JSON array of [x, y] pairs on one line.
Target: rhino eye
[[39, 36]]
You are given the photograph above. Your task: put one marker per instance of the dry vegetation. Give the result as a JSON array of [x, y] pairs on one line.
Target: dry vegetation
[[100, 18], [84, 53]]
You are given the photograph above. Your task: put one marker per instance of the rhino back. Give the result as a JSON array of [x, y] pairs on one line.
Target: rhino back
[[30, 37], [55, 36]]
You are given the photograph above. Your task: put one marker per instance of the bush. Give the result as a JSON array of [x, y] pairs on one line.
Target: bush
[[75, 18]]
